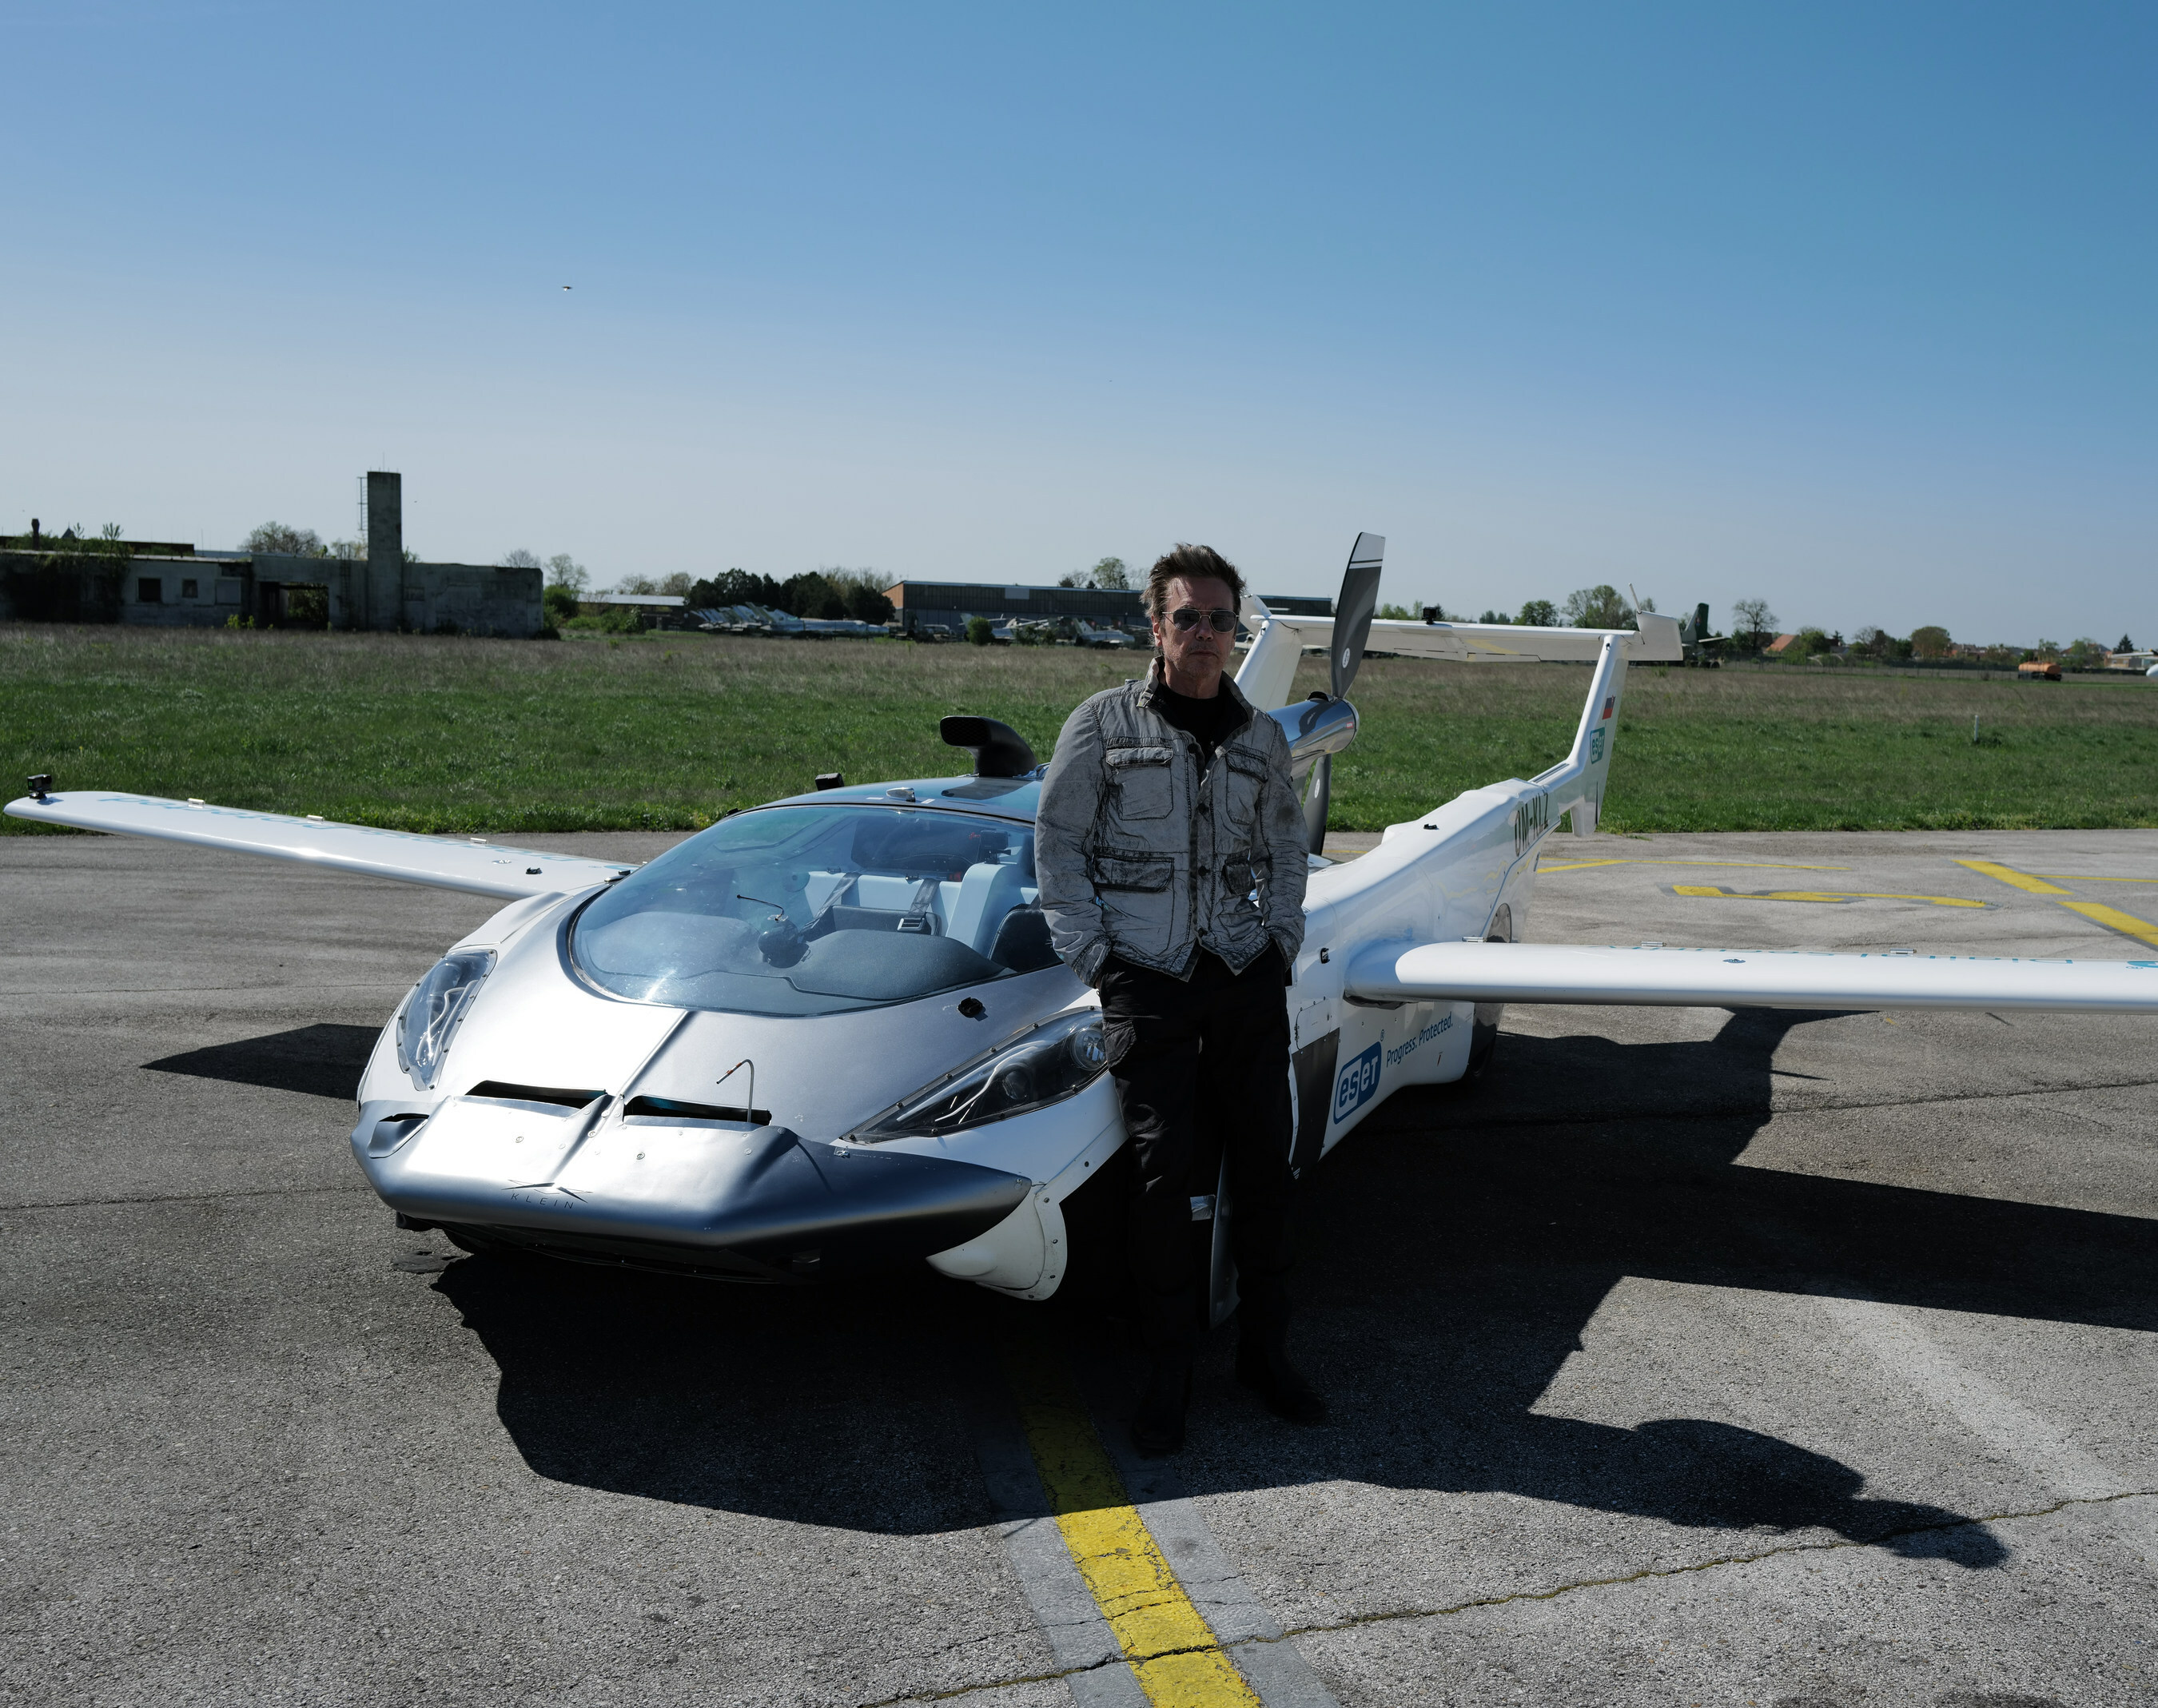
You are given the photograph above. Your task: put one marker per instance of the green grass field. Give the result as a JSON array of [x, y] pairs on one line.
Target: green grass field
[[651, 733]]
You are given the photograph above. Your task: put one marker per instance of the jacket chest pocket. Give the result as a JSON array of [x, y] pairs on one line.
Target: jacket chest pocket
[[1246, 778], [1142, 779]]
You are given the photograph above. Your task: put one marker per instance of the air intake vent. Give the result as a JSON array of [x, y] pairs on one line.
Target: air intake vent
[[533, 1094], [667, 1109]]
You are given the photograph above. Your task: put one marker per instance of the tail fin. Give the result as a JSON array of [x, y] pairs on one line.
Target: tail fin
[[1575, 787]]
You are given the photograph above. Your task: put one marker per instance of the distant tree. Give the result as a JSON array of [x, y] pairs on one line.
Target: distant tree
[[521, 558], [2126, 645], [1398, 613], [810, 594], [113, 530], [677, 583], [2085, 654], [1597, 607], [2046, 649], [859, 592], [1753, 623], [867, 605], [635, 584], [278, 539], [1495, 617], [1538, 613], [1931, 642], [351, 550], [735, 587], [560, 604], [1810, 641], [565, 571], [1108, 572], [979, 631]]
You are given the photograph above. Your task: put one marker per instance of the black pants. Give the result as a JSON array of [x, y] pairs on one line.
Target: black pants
[[1201, 1066]]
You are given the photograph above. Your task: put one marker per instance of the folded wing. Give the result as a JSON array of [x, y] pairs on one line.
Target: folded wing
[[1778, 978], [481, 868]]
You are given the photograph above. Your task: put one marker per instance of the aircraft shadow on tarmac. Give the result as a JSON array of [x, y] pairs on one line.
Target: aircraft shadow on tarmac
[[321, 1061], [1457, 1251]]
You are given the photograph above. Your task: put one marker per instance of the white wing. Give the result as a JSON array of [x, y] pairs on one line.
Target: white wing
[[481, 867], [1721, 979], [1656, 641]]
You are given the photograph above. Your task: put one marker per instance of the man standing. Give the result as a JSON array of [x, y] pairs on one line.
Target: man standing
[[1170, 851]]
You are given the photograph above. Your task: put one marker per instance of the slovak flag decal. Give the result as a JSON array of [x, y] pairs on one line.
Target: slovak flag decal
[[1610, 706]]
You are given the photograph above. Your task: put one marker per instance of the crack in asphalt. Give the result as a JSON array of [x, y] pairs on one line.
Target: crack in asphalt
[[186, 1197], [1655, 1571], [1645, 1575]]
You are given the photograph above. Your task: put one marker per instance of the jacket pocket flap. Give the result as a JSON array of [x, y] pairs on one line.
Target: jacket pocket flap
[[1250, 764], [1118, 757], [1132, 871]]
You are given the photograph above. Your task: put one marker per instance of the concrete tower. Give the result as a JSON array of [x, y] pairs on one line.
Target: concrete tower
[[385, 550]]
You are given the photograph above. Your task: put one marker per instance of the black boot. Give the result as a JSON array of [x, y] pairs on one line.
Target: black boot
[[1263, 1364], [1158, 1425]]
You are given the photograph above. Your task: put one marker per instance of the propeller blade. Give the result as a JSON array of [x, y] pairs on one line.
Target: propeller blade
[[1314, 803], [1353, 609]]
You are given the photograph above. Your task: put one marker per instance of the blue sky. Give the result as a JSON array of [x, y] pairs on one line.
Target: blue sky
[[1846, 307]]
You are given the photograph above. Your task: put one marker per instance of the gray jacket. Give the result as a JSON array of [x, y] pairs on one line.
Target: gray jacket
[[1139, 853]]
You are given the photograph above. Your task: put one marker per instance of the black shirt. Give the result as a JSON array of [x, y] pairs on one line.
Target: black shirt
[[1209, 722]]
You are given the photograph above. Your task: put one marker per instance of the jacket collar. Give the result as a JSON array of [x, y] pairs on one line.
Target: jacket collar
[[1148, 695]]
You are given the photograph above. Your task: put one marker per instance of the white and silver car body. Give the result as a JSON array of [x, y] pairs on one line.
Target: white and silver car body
[[673, 1066]]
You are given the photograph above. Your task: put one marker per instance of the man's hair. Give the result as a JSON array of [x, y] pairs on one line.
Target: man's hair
[[1193, 563]]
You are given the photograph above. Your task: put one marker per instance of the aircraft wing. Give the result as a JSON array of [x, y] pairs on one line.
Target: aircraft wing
[[1730, 979], [481, 868], [1655, 642]]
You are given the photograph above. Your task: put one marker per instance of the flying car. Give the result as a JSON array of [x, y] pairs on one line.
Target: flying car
[[828, 1035]]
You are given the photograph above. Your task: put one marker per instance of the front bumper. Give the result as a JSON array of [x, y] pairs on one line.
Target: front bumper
[[714, 1198]]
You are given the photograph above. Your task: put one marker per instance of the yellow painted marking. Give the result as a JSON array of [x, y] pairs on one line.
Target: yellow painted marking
[[1717, 889], [2071, 878], [2009, 875], [1769, 865], [2113, 919], [1173, 1651]]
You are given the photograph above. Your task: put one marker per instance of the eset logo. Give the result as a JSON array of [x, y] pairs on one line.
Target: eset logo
[[1359, 1082]]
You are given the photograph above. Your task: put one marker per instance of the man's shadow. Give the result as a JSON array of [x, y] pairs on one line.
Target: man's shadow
[[1460, 1244]]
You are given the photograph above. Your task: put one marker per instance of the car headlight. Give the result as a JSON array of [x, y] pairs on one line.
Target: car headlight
[[433, 1010], [1059, 1059]]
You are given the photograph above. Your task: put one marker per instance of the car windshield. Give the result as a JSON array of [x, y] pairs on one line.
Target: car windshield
[[812, 910]]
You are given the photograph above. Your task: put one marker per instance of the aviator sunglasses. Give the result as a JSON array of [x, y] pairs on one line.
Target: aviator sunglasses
[[1190, 617]]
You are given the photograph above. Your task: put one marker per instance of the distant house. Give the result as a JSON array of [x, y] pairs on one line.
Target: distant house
[[1776, 647], [2139, 660]]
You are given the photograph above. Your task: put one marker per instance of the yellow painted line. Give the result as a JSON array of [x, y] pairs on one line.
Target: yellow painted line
[[2071, 878], [2009, 875], [1173, 1651], [1717, 889], [1766, 865], [2114, 920]]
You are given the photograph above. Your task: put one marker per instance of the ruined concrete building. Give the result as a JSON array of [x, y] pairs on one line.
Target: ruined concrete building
[[65, 579]]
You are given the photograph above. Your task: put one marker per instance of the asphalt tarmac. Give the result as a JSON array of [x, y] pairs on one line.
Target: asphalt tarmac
[[1683, 1357]]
